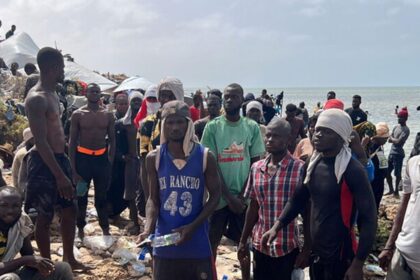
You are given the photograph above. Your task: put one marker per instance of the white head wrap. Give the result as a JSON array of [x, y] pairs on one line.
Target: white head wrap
[[151, 91], [174, 85], [340, 122], [254, 105], [152, 107], [127, 118]]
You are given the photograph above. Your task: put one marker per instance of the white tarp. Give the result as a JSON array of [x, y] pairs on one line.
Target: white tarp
[[76, 72], [134, 82], [19, 48]]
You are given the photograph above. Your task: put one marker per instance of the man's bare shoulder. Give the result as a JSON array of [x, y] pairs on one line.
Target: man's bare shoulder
[[36, 99]]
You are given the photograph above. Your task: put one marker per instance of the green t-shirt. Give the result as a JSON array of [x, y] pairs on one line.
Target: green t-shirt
[[234, 144]]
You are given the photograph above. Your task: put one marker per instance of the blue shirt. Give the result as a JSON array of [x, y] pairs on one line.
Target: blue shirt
[[181, 201]]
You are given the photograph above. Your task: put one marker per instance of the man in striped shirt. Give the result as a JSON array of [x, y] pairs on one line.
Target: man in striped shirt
[[272, 182]]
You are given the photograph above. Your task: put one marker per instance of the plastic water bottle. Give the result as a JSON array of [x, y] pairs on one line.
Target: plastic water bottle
[[298, 274], [225, 277], [166, 240], [142, 254]]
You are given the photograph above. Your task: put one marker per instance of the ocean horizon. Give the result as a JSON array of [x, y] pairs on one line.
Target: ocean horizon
[[379, 102]]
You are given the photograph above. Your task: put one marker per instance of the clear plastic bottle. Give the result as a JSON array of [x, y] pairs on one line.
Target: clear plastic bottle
[[166, 240]]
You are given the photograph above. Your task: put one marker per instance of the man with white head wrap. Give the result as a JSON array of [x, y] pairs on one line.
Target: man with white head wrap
[[168, 89], [150, 105], [179, 172], [135, 100], [337, 187], [254, 111]]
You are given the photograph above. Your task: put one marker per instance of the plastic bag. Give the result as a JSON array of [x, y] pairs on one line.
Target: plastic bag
[[298, 274], [102, 243], [124, 256], [139, 268]]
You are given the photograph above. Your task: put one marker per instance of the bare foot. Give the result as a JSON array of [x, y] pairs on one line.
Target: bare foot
[[105, 231], [133, 230], [81, 234], [77, 266]]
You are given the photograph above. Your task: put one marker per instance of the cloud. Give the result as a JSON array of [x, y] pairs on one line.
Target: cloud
[[393, 11], [215, 42], [312, 11]]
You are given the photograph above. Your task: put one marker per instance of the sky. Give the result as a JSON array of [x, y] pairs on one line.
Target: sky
[[266, 43]]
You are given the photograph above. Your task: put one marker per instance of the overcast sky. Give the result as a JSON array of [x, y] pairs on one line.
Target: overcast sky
[[255, 43]]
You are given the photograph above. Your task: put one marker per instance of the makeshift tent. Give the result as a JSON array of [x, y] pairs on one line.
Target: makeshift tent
[[77, 72], [19, 48], [134, 82]]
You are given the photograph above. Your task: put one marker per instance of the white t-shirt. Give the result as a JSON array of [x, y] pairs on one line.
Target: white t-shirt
[[408, 241]]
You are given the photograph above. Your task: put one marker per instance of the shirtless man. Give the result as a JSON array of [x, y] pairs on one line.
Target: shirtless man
[[90, 157], [49, 172]]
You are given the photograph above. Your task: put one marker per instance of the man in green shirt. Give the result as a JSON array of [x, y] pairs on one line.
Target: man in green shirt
[[237, 143]]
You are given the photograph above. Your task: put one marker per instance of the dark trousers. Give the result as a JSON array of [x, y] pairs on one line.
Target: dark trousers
[[96, 168], [378, 185], [225, 222], [270, 268], [329, 271], [116, 201]]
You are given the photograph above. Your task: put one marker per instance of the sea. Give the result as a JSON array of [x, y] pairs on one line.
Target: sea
[[379, 102]]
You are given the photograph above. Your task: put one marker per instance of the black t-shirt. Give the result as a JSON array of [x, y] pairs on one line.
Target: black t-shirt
[[121, 141], [199, 126], [333, 208], [357, 115], [327, 227]]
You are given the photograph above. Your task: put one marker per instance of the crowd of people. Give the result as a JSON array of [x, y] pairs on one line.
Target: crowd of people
[[227, 165]]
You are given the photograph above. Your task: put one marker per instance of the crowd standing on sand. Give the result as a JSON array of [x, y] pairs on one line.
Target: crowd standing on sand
[[227, 165]]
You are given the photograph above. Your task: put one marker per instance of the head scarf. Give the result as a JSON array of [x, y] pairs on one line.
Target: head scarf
[[126, 120], [254, 105], [334, 103], [179, 108], [172, 84], [403, 113], [147, 108], [340, 122], [365, 129]]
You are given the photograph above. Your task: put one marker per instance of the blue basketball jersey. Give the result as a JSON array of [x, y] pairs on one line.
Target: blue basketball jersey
[[181, 201]]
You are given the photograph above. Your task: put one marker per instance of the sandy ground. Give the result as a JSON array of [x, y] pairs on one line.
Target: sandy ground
[[107, 267]]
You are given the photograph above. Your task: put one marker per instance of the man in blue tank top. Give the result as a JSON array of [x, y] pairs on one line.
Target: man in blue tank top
[[181, 173]]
